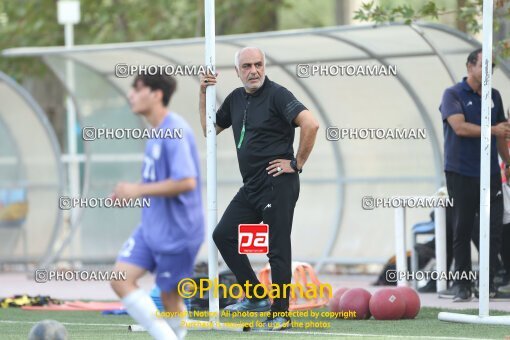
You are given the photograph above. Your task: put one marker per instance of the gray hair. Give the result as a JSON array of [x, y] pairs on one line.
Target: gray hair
[[236, 56]]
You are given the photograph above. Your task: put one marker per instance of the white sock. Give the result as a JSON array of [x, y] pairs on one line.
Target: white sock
[[142, 308], [175, 324]]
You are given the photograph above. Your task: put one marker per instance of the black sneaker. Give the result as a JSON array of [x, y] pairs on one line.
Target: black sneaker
[[501, 296], [464, 293], [430, 287], [493, 291], [253, 306], [505, 289], [449, 293]]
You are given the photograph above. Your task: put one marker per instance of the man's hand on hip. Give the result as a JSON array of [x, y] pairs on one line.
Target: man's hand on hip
[[279, 166]]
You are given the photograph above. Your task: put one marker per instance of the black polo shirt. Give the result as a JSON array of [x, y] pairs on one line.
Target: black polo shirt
[[269, 128]]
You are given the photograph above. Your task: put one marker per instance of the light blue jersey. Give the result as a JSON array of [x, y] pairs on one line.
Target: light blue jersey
[[172, 224]]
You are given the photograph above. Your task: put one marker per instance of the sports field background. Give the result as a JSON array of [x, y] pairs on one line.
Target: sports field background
[[393, 167]]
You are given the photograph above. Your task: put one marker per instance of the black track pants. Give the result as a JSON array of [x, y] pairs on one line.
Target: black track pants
[[466, 205], [274, 205]]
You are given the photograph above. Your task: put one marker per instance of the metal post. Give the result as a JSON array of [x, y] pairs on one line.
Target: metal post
[[440, 234], [485, 158], [400, 246], [73, 169], [68, 14], [214, 302]]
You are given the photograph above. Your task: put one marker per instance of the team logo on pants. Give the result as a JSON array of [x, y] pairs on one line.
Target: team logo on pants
[[253, 238]]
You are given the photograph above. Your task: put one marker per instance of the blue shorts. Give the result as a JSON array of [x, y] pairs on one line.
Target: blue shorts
[[168, 268]]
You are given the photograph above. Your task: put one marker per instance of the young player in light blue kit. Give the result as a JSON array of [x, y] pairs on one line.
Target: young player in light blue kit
[[171, 230]]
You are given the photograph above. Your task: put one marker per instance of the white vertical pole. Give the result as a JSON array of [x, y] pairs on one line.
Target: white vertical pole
[[73, 169], [400, 245], [214, 302], [440, 234], [485, 150]]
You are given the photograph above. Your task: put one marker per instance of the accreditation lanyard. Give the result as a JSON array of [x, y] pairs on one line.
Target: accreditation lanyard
[[243, 129]]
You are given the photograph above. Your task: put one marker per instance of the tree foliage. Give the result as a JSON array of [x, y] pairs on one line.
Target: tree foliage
[[469, 13], [34, 23]]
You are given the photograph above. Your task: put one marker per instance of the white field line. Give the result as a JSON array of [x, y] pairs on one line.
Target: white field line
[[386, 336]]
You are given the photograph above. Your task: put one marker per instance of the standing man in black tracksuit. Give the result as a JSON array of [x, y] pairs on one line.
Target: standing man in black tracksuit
[[263, 116]]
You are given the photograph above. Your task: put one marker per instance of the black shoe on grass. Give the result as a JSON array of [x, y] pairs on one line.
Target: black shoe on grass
[[463, 294], [449, 293]]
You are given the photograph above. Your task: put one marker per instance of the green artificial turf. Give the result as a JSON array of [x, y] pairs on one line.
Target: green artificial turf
[[16, 323]]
